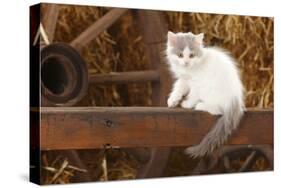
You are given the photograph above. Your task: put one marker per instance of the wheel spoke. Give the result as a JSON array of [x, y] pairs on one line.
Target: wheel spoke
[[226, 164], [248, 162], [125, 77], [99, 26], [49, 20]]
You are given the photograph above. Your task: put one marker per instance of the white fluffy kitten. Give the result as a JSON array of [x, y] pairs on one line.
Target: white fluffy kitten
[[207, 79]]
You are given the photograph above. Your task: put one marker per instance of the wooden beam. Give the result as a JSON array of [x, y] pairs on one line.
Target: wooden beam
[[125, 77], [99, 26], [96, 127]]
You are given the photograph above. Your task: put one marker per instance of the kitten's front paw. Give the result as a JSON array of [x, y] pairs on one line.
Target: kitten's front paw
[[187, 104], [200, 106], [173, 102], [207, 108]]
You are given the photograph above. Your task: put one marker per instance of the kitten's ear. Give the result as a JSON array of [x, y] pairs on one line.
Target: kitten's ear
[[172, 38], [199, 38]]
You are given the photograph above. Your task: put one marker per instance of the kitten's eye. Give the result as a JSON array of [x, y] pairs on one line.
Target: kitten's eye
[[180, 55], [191, 55]]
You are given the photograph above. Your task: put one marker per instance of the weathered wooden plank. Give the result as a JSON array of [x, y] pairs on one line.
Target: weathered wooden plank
[[96, 127], [125, 77], [99, 26]]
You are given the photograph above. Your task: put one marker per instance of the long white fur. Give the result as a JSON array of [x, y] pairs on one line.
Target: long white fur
[[209, 81]]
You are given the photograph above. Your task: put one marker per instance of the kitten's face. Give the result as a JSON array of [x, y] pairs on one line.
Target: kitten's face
[[184, 49]]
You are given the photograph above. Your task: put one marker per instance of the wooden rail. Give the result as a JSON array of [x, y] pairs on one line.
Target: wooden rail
[[97, 127], [125, 77]]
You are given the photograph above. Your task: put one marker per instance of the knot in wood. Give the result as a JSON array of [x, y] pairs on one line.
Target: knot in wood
[[108, 123]]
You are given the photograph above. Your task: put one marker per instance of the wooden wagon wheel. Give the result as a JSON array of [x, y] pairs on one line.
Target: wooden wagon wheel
[[232, 159], [154, 160]]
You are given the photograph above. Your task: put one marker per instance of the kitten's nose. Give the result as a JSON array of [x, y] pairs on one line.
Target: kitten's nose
[[186, 60]]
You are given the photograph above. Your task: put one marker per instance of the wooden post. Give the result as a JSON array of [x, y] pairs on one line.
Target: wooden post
[[154, 35]]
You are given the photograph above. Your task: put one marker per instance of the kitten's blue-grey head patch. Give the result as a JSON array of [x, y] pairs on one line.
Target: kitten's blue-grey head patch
[[184, 40]]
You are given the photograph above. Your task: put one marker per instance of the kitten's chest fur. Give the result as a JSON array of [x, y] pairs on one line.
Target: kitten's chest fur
[[204, 79], [195, 77]]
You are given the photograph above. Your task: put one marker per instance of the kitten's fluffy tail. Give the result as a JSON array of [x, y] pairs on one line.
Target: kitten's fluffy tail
[[221, 130]]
